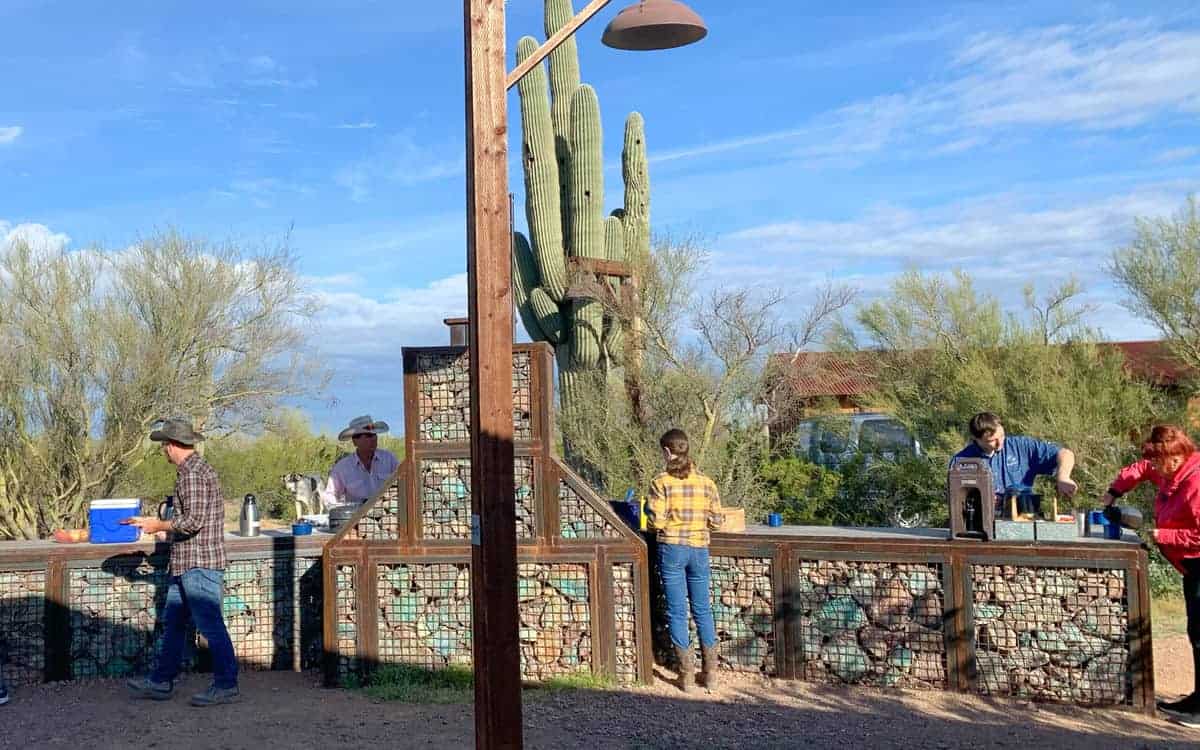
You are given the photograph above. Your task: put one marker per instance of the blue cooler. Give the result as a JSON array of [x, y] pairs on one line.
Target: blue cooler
[[104, 521]]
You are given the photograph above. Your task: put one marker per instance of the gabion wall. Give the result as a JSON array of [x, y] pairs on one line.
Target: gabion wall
[[443, 382], [382, 522], [624, 614], [346, 616], [116, 613], [871, 623], [446, 497], [22, 625], [425, 616], [579, 520], [1053, 634], [743, 612]]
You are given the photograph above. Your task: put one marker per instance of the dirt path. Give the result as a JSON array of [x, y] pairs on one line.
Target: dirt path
[[285, 710]]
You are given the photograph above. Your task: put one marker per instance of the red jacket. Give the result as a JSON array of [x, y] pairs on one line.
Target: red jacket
[[1176, 507]]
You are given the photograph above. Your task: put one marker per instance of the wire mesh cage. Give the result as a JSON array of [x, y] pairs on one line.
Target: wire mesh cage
[[625, 618], [578, 519], [1056, 634], [22, 631], [871, 623]]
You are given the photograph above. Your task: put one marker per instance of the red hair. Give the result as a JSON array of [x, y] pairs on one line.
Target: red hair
[[1167, 440]]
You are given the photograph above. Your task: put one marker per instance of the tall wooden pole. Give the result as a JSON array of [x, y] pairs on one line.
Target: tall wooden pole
[[497, 652]]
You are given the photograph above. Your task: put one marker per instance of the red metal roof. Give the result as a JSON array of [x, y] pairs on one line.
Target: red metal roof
[[827, 374]]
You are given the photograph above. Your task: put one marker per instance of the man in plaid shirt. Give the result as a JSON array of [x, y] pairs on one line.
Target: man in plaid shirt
[[684, 507], [197, 570]]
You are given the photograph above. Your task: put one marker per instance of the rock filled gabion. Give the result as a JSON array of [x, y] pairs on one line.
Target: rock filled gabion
[[382, 520], [346, 615], [261, 609], [871, 623], [115, 617], [556, 622], [425, 616], [624, 616], [1052, 634], [446, 498], [578, 519], [743, 612], [22, 625], [444, 393], [269, 605]]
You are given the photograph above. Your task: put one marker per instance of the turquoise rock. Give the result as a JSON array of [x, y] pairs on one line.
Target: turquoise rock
[[901, 658], [845, 659], [984, 612], [840, 614], [921, 582]]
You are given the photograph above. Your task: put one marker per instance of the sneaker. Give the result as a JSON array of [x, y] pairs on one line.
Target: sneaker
[[1187, 704], [215, 696], [3, 695], [144, 687]]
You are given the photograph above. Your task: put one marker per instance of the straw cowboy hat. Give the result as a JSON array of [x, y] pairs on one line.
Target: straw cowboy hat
[[363, 424], [177, 430]]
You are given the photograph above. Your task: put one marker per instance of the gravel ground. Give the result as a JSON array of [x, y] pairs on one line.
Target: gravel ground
[[286, 710]]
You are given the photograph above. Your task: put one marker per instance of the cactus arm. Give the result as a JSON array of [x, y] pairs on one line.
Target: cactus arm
[[542, 189], [524, 283], [636, 173]]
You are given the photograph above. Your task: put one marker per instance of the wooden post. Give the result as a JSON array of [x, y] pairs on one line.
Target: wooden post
[[489, 300]]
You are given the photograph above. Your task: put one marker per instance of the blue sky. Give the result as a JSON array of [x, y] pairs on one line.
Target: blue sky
[[1017, 140]]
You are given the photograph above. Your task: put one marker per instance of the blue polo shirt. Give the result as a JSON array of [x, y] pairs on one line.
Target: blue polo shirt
[[1017, 463]]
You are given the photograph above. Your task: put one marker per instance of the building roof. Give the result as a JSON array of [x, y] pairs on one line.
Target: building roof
[[829, 374]]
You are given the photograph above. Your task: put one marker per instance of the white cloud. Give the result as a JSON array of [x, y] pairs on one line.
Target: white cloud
[[38, 236], [10, 133], [400, 161], [363, 125], [358, 325], [1176, 154], [1099, 77], [264, 191], [1003, 240]]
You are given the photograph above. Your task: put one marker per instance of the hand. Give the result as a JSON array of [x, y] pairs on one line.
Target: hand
[[1155, 535], [148, 524], [1067, 487], [1107, 499]]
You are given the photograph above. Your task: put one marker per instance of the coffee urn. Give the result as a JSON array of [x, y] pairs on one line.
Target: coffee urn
[[249, 524]]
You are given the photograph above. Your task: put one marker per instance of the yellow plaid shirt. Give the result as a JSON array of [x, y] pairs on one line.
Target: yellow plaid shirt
[[683, 511]]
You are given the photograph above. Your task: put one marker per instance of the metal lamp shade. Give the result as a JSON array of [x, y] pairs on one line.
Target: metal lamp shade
[[654, 24]]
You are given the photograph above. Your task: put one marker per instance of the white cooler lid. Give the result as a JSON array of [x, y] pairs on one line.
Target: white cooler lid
[[115, 503]]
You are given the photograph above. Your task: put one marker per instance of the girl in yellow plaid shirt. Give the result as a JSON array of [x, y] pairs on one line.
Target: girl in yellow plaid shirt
[[684, 507]]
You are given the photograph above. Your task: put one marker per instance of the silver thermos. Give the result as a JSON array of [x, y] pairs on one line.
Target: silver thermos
[[249, 525]]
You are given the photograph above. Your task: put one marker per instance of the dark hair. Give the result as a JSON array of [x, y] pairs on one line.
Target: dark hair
[[1167, 440], [676, 441], [984, 424]]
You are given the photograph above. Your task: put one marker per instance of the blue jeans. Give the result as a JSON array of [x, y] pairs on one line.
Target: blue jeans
[[198, 593], [685, 578]]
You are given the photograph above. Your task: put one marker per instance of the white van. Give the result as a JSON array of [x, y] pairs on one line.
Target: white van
[[832, 440]]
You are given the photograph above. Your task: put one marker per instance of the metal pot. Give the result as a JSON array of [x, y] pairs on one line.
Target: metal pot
[[339, 515]]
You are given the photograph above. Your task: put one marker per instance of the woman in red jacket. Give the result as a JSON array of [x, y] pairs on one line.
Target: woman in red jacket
[[1170, 460]]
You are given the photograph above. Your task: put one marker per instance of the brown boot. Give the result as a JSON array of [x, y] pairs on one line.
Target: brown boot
[[710, 664], [687, 672]]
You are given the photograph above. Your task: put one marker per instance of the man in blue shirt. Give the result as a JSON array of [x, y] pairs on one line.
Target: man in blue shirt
[[1016, 460]]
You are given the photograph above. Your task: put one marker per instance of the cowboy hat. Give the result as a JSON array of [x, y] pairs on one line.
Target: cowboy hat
[[177, 430], [361, 425]]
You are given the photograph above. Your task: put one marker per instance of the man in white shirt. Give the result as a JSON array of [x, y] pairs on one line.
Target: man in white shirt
[[357, 477]]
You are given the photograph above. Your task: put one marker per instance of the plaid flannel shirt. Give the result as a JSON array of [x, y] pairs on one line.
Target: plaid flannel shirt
[[199, 520], [683, 511]]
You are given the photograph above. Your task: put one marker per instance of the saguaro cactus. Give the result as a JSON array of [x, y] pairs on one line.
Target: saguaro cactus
[[564, 208]]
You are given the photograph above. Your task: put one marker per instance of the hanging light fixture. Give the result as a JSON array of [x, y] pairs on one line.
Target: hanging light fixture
[[654, 24]]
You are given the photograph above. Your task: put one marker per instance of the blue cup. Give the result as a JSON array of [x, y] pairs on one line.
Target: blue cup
[[1112, 531], [774, 519]]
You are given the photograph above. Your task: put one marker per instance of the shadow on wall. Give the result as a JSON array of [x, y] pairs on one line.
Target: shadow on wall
[[110, 623]]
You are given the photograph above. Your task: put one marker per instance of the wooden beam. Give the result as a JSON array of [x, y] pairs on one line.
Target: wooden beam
[[496, 647], [552, 43], [601, 266]]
